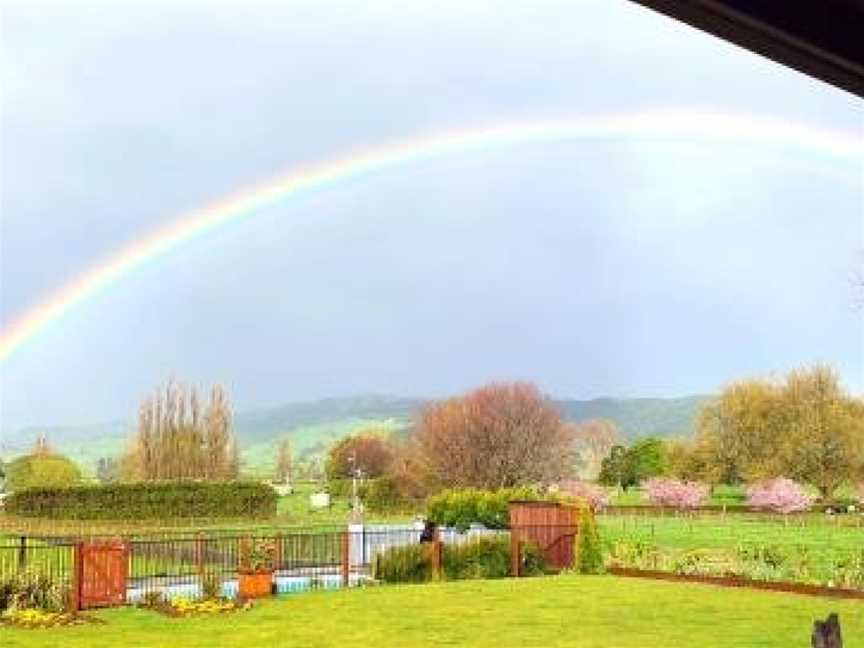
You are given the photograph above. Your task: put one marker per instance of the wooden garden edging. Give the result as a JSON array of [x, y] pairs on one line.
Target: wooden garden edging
[[737, 581]]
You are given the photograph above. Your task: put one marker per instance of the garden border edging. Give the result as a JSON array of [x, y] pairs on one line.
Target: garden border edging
[[737, 581]]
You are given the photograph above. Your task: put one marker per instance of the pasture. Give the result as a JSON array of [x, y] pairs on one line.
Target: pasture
[[816, 531]]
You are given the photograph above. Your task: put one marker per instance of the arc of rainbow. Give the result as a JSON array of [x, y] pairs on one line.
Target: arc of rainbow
[[675, 126]]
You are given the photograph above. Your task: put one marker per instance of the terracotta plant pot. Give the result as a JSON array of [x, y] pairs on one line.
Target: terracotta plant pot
[[256, 585]]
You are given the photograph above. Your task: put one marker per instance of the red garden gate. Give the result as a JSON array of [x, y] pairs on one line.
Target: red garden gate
[[101, 570], [552, 526]]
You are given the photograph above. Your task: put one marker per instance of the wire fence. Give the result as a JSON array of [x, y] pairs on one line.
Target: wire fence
[[815, 549]]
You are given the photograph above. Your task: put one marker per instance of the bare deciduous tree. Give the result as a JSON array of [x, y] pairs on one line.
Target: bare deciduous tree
[[594, 440], [283, 463], [178, 439], [503, 434]]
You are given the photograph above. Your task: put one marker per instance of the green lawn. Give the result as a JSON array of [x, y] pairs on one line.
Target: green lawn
[[598, 611]]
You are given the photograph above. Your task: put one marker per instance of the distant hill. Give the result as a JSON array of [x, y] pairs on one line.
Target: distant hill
[[313, 426], [269, 424], [639, 417]]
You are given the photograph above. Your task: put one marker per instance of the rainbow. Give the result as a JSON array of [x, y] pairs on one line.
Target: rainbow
[[663, 126]]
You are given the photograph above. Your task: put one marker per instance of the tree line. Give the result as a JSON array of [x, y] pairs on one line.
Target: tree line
[[804, 426]]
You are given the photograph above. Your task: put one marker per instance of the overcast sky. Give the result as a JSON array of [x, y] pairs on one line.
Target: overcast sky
[[615, 269]]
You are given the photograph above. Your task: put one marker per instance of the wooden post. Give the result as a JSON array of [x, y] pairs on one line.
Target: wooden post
[[346, 559], [74, 603], [515, 554], [22, 554], [279, 553], [244, 546], [199, 556], [127, 552], [436, 547]]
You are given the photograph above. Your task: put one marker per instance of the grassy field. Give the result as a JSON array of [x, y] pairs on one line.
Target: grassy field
[[816, 531], [554, 611], [732, 496], [812, 549]]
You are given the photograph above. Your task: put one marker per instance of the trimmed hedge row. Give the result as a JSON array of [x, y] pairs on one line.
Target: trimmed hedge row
[[146, 500], [462, 507]]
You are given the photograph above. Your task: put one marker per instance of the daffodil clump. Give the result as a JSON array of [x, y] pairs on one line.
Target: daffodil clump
[[188, 607], [36, 618]]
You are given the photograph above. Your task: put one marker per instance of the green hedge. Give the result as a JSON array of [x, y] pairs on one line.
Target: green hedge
[[146, 500], [462, 507]]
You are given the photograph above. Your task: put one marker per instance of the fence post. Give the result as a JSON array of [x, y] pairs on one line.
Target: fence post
[[437, 548], [74, 602], [346, 559], [279, 554], [199, 555], [515, 554], [22, 553]]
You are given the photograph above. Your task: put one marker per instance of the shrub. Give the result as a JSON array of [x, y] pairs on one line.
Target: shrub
[[211, 586], [256, 555], [589, 550], [31, 590], [484, 557], [780, 495], [383, 494], [146, 500], [460, 508], [678, 494], [480, 558], [533, 562], [408, 564], [7, 593], [153, 599], [339, 488], [378, 494]]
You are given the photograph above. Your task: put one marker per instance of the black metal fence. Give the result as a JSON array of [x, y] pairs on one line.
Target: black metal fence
[[185, 564], [51, 557]]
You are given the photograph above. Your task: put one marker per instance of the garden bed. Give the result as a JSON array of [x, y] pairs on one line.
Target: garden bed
[[737, 581], [33, 618]]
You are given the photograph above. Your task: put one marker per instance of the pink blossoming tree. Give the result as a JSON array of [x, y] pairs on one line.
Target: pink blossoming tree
[[780, 495], [597, 497], [682, 495]]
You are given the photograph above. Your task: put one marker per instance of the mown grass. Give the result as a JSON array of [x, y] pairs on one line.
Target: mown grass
[[589, 612]]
